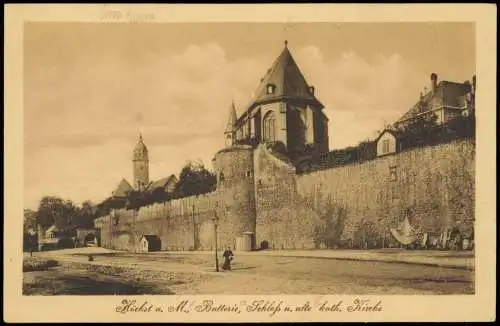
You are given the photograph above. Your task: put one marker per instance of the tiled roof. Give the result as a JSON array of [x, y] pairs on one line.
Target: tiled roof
[[288, 80], [447, 94], [162, 183], [122, 189], [395, 133]]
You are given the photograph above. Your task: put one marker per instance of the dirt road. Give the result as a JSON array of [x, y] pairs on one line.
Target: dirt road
[[168, 273]]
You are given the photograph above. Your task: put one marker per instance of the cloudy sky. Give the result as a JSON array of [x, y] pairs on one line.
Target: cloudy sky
[[89, 89]]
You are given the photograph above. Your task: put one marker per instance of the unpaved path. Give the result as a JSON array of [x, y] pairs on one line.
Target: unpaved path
[[169, 273]]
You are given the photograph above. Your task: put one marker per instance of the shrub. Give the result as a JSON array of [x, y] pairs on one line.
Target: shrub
[[34, 264]]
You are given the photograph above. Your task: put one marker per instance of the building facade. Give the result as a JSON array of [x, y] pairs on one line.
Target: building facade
[[284, 110], [261, 199], [444, 100]]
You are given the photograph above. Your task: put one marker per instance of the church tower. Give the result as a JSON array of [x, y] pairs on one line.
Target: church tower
[[141, 165], [284, 110]]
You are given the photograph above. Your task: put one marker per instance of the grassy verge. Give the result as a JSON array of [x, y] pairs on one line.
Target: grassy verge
[[75, 278], [33, 264]]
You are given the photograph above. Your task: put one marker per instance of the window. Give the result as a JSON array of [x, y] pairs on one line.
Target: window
[[270, 88], [269, 127], [245, 131], [385, 146], [221, 177], [393, 175]]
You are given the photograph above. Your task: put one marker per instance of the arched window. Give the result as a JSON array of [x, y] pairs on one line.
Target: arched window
[[269, 125]]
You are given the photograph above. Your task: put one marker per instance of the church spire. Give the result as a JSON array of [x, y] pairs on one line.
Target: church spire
[[231, 121]]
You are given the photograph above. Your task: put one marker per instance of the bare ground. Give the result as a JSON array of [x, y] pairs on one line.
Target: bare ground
[[165, 273]]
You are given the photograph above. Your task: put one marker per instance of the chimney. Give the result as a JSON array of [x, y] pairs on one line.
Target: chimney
[[434, 81], [311, 90]]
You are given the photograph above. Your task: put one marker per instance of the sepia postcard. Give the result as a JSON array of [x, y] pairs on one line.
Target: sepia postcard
[[243, 163]]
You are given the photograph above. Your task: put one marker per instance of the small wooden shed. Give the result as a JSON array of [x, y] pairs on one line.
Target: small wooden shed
[[149, 242]]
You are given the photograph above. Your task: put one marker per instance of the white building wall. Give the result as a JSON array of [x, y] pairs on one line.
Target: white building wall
[[391, 140]]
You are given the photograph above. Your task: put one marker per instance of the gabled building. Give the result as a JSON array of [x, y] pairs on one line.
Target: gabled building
[[446, 100], [149, 242], [122, 189], [165, 185], [284, 110], [388, 142], [142, 184]]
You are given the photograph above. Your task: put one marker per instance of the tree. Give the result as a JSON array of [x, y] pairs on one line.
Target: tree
[[135, 200], [54, 210], [334, 217], [332, 220], [366, 150], [420, 131], [462, 126], [85, 216], [195, 180], [108, 204], [30, 220]]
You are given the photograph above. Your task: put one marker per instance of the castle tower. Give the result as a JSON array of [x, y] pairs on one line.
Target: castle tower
[[141, 165], [285, 110], [229, 131], [235, 193]]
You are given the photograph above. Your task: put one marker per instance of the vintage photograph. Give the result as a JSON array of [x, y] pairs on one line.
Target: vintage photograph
[[332, 158]]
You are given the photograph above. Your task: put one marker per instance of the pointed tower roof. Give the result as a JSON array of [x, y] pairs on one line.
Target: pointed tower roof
[[287, 80], [140, 150], [231, 120], [122, 189]]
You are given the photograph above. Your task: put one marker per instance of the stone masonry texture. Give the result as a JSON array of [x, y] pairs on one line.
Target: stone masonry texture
[[260, 193]]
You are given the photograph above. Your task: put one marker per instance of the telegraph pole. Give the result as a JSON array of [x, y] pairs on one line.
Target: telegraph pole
[[194, 231], [216, 224], [134, 240]]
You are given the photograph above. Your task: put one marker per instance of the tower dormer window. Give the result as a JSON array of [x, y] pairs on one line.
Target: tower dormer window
[[271, 88]]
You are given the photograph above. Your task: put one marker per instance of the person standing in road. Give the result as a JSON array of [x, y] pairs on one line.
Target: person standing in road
[[228, 256]]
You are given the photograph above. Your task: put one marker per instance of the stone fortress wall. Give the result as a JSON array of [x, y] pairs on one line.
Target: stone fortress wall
[[260, 193]]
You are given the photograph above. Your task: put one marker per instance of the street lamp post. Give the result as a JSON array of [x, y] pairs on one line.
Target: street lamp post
[[216, 224]]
